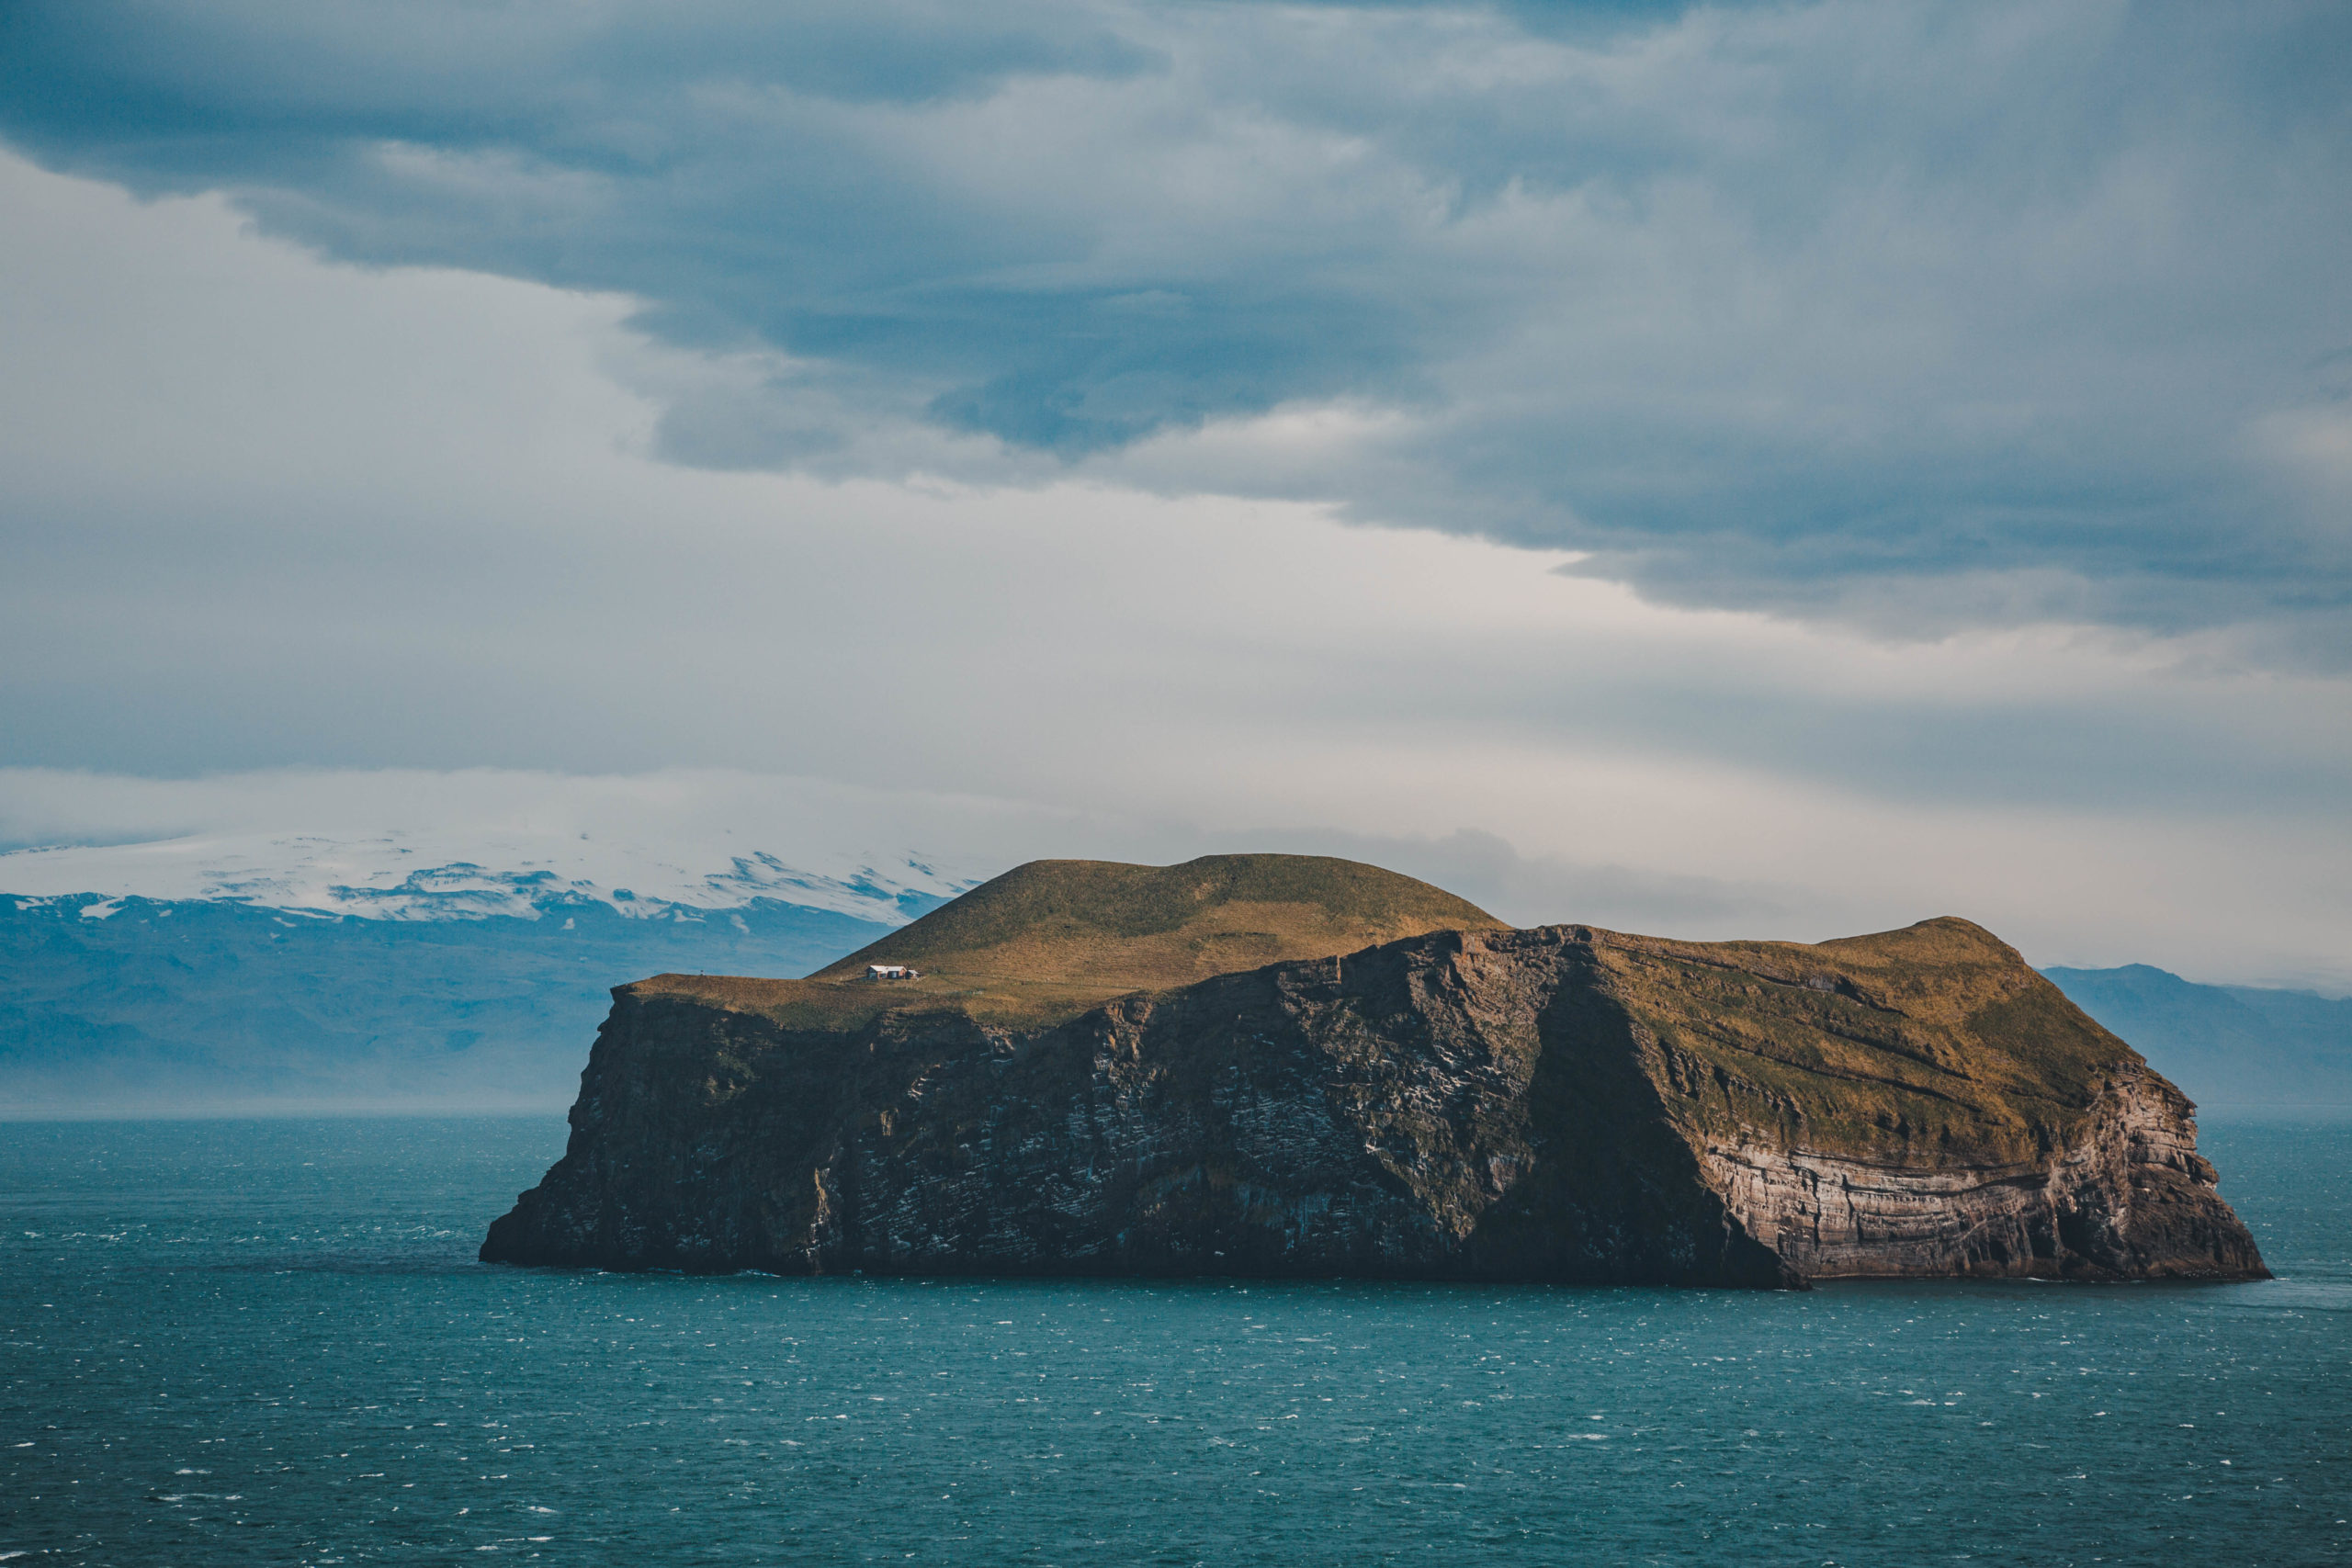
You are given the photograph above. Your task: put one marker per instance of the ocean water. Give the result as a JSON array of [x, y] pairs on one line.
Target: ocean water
[[267, 1342]]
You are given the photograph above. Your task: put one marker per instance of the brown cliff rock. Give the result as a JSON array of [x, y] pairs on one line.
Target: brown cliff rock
[[1562, 1103]]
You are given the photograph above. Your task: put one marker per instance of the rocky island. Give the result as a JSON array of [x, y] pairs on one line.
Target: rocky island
[[1292, 1065]]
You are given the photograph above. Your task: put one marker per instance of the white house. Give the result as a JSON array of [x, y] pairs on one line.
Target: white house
[[892, 972]]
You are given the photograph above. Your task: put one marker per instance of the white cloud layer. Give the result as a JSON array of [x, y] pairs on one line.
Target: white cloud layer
[[1916, 316], [276, 526]]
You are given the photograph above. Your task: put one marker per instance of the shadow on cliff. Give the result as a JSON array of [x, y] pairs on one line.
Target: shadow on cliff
[[1615, 1196]]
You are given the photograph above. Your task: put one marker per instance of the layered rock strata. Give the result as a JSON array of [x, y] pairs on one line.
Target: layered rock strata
[[1562, 1103]]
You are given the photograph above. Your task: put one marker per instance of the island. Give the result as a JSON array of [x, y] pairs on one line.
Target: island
[[1299, 1066]]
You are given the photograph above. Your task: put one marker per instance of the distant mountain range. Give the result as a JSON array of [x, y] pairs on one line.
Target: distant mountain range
[[311, 971], [138, 1005], [219, 975], [413, 877], [2231, 1048]]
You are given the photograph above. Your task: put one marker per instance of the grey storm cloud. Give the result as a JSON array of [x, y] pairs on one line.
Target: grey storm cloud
[[1921, 315]]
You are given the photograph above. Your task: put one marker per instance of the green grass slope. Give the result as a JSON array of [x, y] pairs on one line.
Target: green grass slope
[[1929, 1044]]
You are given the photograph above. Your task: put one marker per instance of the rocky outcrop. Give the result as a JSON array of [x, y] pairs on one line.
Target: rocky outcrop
[[2128, 1198], [1563, 1105]]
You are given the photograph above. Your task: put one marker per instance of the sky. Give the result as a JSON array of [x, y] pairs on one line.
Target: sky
[[1774, 470]]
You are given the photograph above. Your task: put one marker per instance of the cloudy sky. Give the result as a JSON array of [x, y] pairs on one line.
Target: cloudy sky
[[1774, 470]]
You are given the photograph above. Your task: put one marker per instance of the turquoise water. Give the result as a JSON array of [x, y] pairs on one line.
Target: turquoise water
[[265, 1342]]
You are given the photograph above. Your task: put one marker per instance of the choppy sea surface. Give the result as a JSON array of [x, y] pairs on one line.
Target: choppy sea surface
[[268, 1342]]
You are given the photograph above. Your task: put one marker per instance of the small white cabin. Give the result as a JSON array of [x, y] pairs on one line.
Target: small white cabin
[[892, 972]]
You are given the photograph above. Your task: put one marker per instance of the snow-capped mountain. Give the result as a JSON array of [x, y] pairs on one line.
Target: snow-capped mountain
[[421, 876], [414, 968], [413, 938]]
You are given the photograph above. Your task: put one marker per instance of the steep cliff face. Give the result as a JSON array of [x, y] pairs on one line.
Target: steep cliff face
[[1563, 1103]]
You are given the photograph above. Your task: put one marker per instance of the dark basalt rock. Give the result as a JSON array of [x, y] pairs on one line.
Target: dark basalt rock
[[1555, 1104]]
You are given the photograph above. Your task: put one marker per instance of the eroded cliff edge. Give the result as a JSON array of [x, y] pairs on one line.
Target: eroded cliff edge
[[1562, 1103]]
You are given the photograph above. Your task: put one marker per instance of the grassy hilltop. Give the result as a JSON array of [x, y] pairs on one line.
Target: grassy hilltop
[[1055, 937]]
